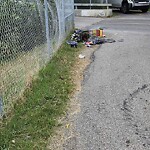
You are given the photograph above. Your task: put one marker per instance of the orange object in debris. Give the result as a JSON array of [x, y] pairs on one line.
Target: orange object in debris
[[97, 32]]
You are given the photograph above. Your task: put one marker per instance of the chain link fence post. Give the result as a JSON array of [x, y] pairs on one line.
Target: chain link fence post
[[47, 27]]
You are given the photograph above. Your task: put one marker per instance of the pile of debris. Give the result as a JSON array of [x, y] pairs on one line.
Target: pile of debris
[[88, 37]]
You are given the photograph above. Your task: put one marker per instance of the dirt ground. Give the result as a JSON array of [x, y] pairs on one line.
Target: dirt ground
[[66, 131]]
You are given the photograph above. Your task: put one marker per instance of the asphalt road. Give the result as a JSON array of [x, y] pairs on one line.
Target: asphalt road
[[115, 96]]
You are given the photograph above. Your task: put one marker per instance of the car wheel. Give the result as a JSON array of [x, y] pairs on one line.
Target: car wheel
[[144, 10], [125, 8]]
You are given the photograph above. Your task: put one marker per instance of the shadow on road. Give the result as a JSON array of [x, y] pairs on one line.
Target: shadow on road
[[133, 12]]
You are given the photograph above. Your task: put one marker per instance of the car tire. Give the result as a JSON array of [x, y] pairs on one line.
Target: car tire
[[125, 8], [144, 10]]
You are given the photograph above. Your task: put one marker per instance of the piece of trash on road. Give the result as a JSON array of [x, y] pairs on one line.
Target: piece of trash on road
[[88, 44], [121, 40], [67, 126], [89, 37], [81, 56], [97, 40], [109, 41], [97, 32]]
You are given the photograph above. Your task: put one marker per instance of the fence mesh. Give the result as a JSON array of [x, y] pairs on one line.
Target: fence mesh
[[30, 31]]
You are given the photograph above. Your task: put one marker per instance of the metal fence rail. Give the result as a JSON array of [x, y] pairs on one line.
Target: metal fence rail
[[30, 31], [90, 1]]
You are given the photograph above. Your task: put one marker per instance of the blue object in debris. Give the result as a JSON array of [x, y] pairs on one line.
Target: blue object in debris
[[72, 43]]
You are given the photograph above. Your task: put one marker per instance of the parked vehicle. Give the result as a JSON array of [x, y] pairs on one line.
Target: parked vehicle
[[127, 5]]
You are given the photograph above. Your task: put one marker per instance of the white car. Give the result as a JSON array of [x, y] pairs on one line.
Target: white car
[[126, 5]]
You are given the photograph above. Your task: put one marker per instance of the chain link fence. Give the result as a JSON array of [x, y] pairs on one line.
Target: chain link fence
[[30, 32]]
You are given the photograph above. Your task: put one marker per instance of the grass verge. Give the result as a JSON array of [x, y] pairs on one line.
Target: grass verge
[[45, 100]]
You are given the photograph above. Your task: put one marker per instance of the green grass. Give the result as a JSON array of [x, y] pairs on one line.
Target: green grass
[[33, 121]]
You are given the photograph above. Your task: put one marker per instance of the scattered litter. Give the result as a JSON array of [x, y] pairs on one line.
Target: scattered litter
[[88, 44], [89, 37], [81, 56], [102, 40], [85, 35], [121, 40], [72, 43], [93, 40], [80, 35], [76, 35], [97, 32], [97, 40], [67, 126], [13, 141], [109, 41]]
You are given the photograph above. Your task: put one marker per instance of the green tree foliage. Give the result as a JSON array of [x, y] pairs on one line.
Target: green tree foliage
[[20, 27]]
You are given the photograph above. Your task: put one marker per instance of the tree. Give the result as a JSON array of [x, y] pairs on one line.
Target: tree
[[20, 28]]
